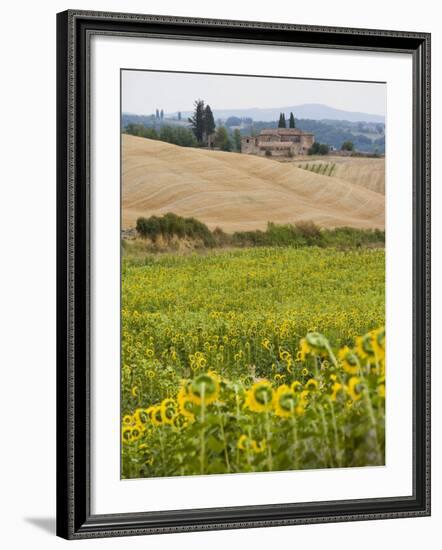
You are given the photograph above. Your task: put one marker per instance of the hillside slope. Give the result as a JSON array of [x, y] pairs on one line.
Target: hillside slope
[[237, 192], [364, 171]]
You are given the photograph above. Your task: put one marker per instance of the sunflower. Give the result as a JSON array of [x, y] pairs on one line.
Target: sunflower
[[364, 347], [304, 351], [137, 432], [134, 391], [260, 397], [169, 409], [349, 360], [180, 422], [187, 409], [381, 387], [141, 416], [314, 343], [337, 388], [305, 398], [266, 344], [156, 416], [311, 385], [378, 343], [258, 447], [185, 401], [287, 402], [284, 355], [355, 387], [243, 442], [204, 387], [126, 434], [149, 411], [296, 386], [128, 420]]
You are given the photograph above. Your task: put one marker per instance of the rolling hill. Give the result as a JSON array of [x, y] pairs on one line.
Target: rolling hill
[[367, 172], [237, 192]]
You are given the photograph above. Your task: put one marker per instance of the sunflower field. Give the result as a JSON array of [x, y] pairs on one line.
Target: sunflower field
[[260, 359]]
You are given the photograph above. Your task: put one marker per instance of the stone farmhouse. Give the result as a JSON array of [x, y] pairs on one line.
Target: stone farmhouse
[[278, 142]]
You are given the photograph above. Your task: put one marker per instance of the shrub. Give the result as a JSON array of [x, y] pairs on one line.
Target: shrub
[[347, 146], [309, 231], [318, 149], [149, 227], [171, 225]]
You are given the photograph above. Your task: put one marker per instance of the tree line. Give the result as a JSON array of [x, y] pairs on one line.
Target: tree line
[[203, 131]]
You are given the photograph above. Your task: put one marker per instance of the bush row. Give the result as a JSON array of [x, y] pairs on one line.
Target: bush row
[[304, 233], [170, 134]]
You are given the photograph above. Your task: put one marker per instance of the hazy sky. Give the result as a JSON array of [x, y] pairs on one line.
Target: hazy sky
[[144, 91]]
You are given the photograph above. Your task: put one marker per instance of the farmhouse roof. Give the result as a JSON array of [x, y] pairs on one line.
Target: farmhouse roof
[[282, 132]]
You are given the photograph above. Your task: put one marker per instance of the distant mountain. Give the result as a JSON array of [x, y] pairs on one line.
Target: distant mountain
[[313, 111]]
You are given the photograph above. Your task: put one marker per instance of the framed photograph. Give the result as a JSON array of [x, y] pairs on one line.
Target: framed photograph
[[243, 274]]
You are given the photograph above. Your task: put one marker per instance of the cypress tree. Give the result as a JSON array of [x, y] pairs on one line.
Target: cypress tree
[[209, 121], [197, 120], [281, 123], [292, 121]]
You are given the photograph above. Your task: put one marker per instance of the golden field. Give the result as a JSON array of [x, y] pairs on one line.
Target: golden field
[[242, 192]]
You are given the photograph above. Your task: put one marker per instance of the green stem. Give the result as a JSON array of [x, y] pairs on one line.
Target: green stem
[[163, 458], [202, 432], [269, 439], [325, 430], [223, 434], [249, 458], [237, 423], [373, 422], [180, 460], [338, 453], [332, 356], [295, 439]]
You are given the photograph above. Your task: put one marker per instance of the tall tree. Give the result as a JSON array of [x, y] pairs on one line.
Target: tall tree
[[292, 121], [237, 139], [197, 120], [281, 123], [161, 114], [209, 121], [222, 139]]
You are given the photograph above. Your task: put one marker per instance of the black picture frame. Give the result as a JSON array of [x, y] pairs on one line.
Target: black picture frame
[[74, 518]]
